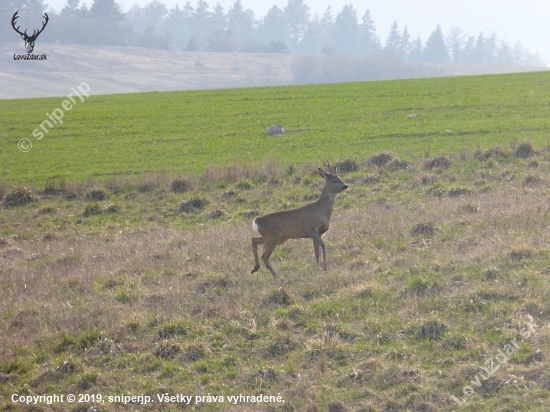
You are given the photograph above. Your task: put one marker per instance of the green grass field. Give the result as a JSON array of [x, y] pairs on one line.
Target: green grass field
[[125, 261], [187, 131]]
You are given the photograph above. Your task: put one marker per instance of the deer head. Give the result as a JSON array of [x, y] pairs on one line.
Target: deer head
[[29, 40]]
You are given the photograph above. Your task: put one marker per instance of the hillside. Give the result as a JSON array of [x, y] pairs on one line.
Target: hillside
[[134, 69]]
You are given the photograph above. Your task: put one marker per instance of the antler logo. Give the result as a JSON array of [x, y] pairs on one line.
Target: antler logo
[[29, 40]]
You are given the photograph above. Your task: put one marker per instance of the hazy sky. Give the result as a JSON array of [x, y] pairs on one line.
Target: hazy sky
[[511, 20]]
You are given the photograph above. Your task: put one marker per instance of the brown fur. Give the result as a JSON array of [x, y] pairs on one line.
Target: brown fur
[[309, 221]]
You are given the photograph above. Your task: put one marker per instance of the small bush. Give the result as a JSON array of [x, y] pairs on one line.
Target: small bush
[[19, 197], [432, 330], [439, 162], [180, 185], [193, 204], [397, 164], [96, 194], [380, 159], [524, 150], [492, 153]]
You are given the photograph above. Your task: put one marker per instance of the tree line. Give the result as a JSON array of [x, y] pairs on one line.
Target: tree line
[[291, 29]]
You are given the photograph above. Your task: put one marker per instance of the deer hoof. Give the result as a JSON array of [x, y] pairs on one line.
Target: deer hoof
[[256, 268]]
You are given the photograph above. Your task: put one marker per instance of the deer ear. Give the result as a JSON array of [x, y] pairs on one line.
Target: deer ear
[[323, 174]]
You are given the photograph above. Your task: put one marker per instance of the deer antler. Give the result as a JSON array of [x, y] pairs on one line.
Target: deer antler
[[34, 36], [331, 168], [34, 33], [13, 21]]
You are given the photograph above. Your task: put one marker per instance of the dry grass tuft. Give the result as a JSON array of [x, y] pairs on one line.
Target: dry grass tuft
[[167, 351], [347, 165], [91, 210], [337, 406], [96, 195], [524, 150], [432, 330], [279, 297], [191, 205], [536, 356], [492, 153], [439, 162], [19, 197], [423, 229], [181, 185], [380, 159]]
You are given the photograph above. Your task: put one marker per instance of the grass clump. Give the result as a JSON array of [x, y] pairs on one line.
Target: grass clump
[[524, 150], [181, 185], [439, 162], [96, 195], [380, 159], [191, 205], [91, 210], [19, 197]]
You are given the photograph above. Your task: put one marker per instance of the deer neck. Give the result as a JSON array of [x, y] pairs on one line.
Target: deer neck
[[326, 203]]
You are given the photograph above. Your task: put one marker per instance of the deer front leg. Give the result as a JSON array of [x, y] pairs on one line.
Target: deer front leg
[[255, 242], [317, 241], [316, 248]]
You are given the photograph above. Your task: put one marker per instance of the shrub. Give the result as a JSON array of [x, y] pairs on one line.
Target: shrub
[[91, 210]]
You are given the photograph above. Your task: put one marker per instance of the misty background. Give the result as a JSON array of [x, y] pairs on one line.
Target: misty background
[[292, 41]]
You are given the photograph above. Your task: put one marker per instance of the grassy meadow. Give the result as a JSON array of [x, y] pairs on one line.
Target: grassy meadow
[[125, 251]]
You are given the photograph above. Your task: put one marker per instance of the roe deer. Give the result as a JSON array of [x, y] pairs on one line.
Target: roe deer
[[309, 221]]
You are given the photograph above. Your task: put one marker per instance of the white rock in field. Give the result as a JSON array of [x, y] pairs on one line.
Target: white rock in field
[[275, 130], [411, 116]]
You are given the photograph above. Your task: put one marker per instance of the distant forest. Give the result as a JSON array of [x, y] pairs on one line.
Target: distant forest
[[292, 29]]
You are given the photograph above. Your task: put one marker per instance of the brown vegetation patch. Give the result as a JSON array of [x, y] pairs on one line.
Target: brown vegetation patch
[[397, 164], [91, 210], [4, 377], [347, 165], [337, 406], [491, 153], [23, 319], [422, 229], [222, 282], [536, 356], [524, 150], [96, 195], [216, 214], [194, 353], [19, 197], [181, 185], [197, 203], [167, 351], [439, 162], [279, 297], [281, 347], [66, 367], [530, 181], [432, 330], [380, 159], [521, 254]]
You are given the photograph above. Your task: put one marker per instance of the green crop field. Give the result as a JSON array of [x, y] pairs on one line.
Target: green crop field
[[188, 131], [125, 250]]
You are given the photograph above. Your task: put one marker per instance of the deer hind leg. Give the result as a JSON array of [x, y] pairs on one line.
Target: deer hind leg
[[255, 242], [269, 247]]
